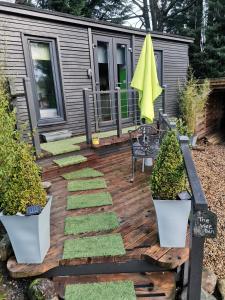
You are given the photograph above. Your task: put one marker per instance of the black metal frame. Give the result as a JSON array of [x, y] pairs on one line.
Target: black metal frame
[[193, 268], [134, 266], [144, 143]]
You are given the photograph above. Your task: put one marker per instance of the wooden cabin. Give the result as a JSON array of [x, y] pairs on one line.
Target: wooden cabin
[[60, 55]]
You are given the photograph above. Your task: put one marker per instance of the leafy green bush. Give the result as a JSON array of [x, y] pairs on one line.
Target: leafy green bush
[[168, 175], [181, 127], [20, 182], [192, 101]]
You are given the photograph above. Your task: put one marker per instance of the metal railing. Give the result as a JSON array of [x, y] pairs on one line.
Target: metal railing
[[193, 268], [110, 110]]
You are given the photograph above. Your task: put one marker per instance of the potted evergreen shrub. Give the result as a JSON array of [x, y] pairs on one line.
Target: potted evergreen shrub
[[167, 181], [20, 188]]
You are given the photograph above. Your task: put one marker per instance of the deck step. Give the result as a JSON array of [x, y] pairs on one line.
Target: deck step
[[70, 160], [59, 147], [151, 286], [56, 135], [51, 170]]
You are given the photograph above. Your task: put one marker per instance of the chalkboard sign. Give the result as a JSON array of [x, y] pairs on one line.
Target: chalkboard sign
[[205, 224]]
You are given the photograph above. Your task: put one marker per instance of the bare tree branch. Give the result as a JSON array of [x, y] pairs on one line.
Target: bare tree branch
[[170, 6], [181, 10], [138, 4]]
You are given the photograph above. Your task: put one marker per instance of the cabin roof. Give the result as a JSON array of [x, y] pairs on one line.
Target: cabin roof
[[42, 14]]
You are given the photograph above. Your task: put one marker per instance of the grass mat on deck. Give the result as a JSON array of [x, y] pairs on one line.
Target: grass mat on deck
[[91, 223], [70, 160], [88, 200], [59, 147], [102, 245], [118, 290], [84, 185], [83, 173]]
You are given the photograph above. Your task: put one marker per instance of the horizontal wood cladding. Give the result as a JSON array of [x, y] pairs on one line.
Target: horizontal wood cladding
[[175, 65], [74, 61], [74, 56]]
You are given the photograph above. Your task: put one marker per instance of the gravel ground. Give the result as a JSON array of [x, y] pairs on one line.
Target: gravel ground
[[11, 289], [211, 169]]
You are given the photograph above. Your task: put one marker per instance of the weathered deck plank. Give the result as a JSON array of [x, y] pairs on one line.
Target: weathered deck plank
[[151, 285], [133, 204]]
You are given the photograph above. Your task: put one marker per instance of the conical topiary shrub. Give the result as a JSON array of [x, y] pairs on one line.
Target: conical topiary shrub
[[168, 175], [20, 182], [20, 187]]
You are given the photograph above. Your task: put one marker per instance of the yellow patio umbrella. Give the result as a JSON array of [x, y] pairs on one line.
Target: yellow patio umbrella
[[145, 80]]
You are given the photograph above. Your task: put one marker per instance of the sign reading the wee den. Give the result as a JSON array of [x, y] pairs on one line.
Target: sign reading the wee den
[[205, 224]]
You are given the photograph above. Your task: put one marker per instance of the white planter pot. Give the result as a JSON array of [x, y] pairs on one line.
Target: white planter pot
[[29, 235], [172, 220], [193, 140], [148, 162]]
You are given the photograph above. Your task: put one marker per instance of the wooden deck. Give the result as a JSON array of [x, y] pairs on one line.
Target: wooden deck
[[150, 286], [132, 203]]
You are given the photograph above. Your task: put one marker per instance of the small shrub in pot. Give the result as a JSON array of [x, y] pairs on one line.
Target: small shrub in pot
[[168, 175], [20, 187], [167, 180]]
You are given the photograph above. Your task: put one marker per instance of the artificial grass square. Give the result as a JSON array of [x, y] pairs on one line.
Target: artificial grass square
[[83, 173], [117, 290], [59, 147], [89, 200], [85, 185], [91, 223], [70, 160], [103, 245]]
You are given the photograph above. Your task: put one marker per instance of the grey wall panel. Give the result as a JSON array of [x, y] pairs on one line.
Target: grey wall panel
[[75, 60], [175, 65]]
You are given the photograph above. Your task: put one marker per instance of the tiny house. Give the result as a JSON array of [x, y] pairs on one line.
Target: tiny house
[[62, 55]]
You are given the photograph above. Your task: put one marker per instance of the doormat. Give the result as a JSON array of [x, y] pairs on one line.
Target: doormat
[[91, 223], [89, 200], [83, 173], [59, 147], [85, 185], [102, 245], [71, 160], [117, 290]]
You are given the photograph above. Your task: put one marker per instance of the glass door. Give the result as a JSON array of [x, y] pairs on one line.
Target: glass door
[[112, 69], [122, 73], [104, 79]]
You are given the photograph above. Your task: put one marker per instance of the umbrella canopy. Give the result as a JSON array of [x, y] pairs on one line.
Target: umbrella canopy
[[145, 80]]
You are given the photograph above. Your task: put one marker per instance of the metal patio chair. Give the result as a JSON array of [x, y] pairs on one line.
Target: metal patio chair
[[144, 144]]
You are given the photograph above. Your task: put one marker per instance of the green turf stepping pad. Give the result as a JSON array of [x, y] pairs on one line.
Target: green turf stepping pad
[[89, 200], [84, 185], [69, 161], [83, 173], [102, 245], [59, 147], [91, 223], [117, 290]]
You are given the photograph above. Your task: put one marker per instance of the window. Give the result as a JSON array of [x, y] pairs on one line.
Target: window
[[45, 80]]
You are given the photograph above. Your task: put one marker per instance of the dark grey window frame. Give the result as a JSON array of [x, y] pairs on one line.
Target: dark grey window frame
[[57, 77]]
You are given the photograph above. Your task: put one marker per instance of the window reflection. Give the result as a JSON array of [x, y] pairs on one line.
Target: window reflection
[[103, 67], [44, 81], [122, 78]]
